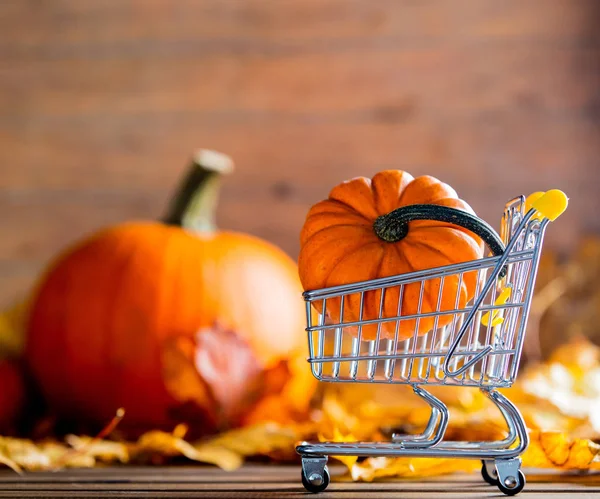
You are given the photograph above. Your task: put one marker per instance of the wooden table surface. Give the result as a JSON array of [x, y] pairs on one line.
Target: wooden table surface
[[255, 481]]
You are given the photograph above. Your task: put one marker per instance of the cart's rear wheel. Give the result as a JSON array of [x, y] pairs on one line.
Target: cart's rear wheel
[[316, 482], [512, 485], [491, 478]]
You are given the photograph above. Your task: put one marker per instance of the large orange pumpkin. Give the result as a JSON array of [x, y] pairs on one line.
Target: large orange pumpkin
[[371, 228], [173, 321]]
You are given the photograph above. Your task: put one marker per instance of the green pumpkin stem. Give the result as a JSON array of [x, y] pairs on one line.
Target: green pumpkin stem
[[194, 205], [393, 226]]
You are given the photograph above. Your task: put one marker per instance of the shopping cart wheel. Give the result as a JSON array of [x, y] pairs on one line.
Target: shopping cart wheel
[[512, 485], [489, 473], [316, 482]]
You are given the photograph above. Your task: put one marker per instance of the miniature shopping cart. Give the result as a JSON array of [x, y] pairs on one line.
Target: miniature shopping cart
[[479, 346]]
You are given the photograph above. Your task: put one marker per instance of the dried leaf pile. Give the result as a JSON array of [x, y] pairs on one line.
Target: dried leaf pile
[[558, 393]]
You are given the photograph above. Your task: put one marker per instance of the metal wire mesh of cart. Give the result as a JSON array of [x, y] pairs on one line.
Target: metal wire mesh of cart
[[390, 330]]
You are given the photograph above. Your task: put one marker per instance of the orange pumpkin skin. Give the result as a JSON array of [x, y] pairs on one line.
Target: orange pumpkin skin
[[338, 245], [109, 309]]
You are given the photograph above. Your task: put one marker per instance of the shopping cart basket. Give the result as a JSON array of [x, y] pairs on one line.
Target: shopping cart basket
[[479, 347]]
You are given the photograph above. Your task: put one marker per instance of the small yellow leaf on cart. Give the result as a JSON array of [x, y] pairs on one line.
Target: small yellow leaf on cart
[[494, 314]]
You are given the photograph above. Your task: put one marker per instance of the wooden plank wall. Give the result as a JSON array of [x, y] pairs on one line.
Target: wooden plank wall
[[103, 101]]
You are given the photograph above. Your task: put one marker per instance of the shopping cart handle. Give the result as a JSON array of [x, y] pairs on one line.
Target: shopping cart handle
[[466, 365], [550, 204]]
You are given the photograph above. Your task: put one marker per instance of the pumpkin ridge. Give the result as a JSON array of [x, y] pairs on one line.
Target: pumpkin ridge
[[442, 254], [379, 292], [348, 255], [459, 230], [425, 182], [387, 186], [402, 257], [336, 202], [333, 213], [413, 268], [306, 241], [314, 254], [376, 198], [433, 249], [362, 191]]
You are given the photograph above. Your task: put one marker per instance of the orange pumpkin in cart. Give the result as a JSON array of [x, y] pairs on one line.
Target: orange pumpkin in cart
[[392, 224]]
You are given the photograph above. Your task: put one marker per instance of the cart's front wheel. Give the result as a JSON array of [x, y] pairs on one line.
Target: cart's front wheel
[[512, 485], [489, 473], [316, 482]]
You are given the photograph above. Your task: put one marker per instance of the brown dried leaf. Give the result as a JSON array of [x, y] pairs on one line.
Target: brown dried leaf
[[260, 439]]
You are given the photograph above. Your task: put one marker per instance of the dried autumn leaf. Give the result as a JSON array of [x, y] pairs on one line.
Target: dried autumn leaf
[[546, 450], [273, 409], [173, 444], [215, 375], [565, 389], [180, 375], [6, 460], [266, 439], [337, 436], [21, 454], [301, 386], [386, 467], [557, 450], [573, 287], [61, 456], [290, 402], [102, 450]]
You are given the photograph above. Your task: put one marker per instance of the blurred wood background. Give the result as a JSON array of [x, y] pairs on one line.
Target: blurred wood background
[[103, 102]]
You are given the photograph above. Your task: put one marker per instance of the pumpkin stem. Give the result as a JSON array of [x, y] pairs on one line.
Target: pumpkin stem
[[393, 226], [193, 206]]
